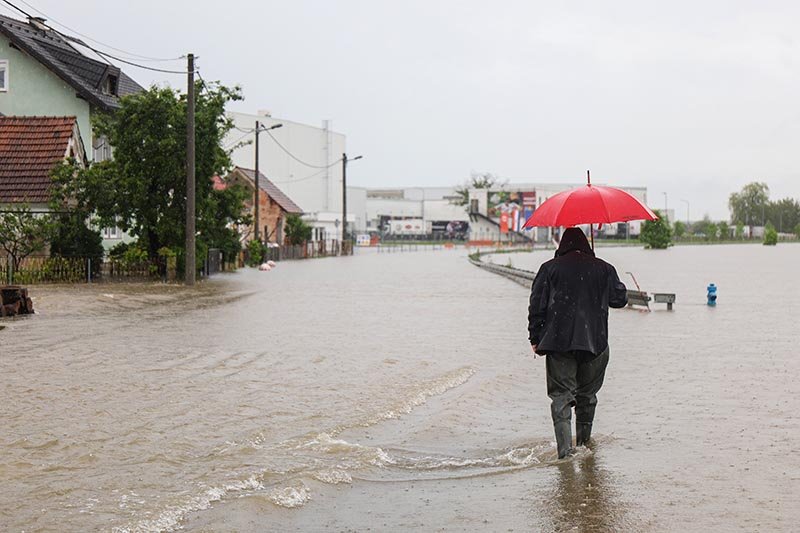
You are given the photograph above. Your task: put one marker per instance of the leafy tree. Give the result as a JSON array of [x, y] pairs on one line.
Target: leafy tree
[[739, 230], [477, 180], [679, 229], [143, 189], [749, 205], [656, 234], [72, 237], [297, 230], [770, 235], [797, 231], [220, 231], [724, 231], [784, 213], [706, 229], [23, 233]]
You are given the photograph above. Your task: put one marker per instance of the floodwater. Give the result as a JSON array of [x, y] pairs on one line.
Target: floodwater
[[396, 392]]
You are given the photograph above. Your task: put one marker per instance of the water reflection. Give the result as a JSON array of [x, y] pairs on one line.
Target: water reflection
[[583, 497]]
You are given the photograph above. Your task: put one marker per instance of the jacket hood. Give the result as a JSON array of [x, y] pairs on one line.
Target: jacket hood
[[573, 240]]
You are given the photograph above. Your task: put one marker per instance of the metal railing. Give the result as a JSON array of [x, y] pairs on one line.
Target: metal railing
[[518, 275]]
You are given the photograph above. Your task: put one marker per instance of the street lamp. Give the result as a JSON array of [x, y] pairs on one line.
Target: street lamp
[[259, 128], [344, 196]]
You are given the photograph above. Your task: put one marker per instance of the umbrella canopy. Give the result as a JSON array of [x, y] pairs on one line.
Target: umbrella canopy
[[591, 204]]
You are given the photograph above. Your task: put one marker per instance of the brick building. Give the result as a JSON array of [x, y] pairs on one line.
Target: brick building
[[274, 205]]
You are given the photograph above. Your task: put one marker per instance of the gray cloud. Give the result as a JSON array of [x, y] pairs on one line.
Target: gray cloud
[[691, 98]]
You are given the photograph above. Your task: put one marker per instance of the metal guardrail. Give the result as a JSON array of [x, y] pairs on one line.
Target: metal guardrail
[[523, 277]]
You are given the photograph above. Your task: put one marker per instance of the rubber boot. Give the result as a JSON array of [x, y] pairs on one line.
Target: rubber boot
[[583, 432], [563, 432]]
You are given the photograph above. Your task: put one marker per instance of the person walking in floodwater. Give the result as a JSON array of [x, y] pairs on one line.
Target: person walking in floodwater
[[568, 323]]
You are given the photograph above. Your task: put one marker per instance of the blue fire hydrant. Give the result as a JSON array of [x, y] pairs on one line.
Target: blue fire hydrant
[[712, 295]]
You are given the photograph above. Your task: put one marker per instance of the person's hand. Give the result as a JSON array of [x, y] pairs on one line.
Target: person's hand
[[533, 347]]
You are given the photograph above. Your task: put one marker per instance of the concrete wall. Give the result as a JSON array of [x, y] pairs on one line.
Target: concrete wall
[[34, 90]]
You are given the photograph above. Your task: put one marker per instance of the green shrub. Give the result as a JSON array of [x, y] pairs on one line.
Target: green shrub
[[297, 230], [770, 235], [255, 251], [656, 234]]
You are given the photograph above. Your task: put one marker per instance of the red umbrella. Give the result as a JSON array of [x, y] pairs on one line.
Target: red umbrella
[[592, 204]]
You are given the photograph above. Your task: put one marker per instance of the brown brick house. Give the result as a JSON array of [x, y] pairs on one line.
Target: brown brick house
[[274, 205]]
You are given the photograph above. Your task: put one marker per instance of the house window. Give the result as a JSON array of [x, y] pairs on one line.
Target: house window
[[101, 149], [3, 75], [112, 233], [110, 86]]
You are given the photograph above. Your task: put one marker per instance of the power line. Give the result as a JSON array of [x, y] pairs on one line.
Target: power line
[[314, 175], [202, 81], [290, 154], [76, 32], [297, 158], [131, 63], [95, 50], [234, 143]]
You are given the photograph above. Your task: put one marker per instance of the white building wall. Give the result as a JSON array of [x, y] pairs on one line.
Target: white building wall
[[315, 186], [377, 207], [445, 210], [357, 208]]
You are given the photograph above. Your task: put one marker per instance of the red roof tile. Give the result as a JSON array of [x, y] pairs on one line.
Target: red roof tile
[[218, 183], [29, 149], [272, 190]]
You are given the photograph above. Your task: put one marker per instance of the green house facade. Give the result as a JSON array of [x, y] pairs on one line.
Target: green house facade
[[45, 73]]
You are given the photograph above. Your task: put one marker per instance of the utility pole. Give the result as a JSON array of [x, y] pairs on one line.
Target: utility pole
[[191, 265], [257, 194], [256, 221], [344, 201], [344, 197]]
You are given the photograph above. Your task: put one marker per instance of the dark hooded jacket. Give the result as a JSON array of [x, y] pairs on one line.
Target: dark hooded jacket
[[570, 298]]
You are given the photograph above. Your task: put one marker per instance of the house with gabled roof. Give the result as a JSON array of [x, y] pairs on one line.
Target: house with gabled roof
[[46, 73], [273, 204], [30, 147]]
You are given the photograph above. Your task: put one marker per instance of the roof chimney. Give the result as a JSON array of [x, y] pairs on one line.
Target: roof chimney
[[38, 22]]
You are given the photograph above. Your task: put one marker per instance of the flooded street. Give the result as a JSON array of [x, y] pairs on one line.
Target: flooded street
[[396, 391]]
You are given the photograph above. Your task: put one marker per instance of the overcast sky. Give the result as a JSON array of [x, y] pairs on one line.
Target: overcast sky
[[690, 98]]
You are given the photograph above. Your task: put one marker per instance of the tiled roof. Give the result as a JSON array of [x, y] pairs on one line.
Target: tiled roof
[[273, 191], [29, 149], [82, 73], [218, 183]]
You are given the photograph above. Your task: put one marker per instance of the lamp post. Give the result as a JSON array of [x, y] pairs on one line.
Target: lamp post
[[259, 128], [344, 196]]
